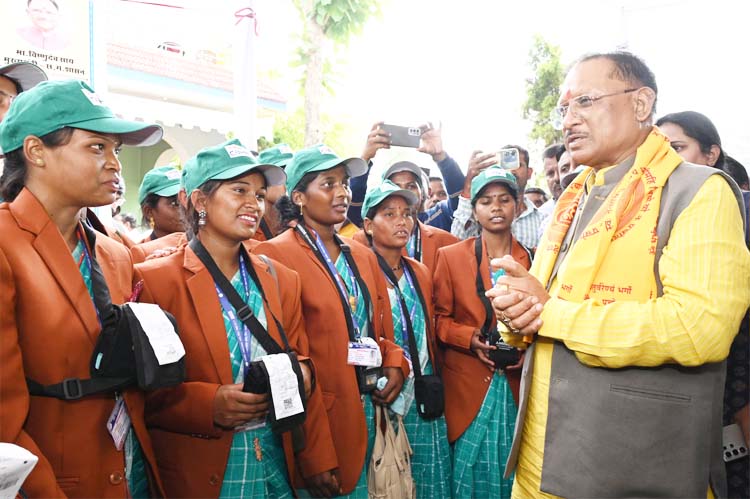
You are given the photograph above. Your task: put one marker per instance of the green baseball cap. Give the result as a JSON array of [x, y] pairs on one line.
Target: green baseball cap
[[163, 181], [491, 175], [227, 160], [382, 192], [53, 105], [279, 155], [317, 159]]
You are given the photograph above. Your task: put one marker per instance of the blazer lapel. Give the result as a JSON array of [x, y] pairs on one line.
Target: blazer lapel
[[311, 256], [49, 244], [484, 267], [208, 310]]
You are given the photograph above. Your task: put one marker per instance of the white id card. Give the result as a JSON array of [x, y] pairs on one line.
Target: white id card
[[118, 423], [363, 354]]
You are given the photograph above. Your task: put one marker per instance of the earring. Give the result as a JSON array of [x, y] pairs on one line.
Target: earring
[[202, 218], [151, 223], [39, 161]]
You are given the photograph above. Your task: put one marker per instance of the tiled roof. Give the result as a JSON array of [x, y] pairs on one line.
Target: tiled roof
[[170, 65]]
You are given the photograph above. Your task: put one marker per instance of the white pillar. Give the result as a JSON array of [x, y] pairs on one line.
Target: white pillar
[[245, 78]]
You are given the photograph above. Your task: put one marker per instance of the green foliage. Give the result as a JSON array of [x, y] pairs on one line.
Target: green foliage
[[340, 19], [290, 129], [543, 90]]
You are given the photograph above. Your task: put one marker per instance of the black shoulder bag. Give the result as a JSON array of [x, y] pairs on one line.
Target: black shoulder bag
[[428, 388], [256, 379], [123, 356], [505, 355]]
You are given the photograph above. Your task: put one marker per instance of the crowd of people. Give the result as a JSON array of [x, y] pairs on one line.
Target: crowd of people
[[449, 335]]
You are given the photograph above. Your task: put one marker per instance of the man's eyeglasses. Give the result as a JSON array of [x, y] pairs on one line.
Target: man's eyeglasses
[[580, 102], [6, 98]]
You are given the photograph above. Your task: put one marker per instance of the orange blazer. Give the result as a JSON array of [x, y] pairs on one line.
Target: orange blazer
[[144, 249], [191, 451], [458, 313], [48, 329], [433, 239], [329, 340]]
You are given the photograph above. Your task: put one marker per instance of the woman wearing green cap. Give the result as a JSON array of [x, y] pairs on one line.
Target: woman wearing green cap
[[61, 145], [343, 301], [158, 199], [388, 214], [279, 155], [480, 407], [211, 438]]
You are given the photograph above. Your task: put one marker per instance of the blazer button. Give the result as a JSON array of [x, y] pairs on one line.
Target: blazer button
[[213, 479], [115, 478], [487, 379]]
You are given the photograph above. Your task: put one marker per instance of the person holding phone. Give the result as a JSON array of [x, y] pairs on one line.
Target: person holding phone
[[212, 438], [388, 213], [61, 148], [344, 304], [431, 142], [480, 371]]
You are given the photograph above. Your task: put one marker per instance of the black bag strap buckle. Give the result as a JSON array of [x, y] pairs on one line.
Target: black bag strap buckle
[[244, 313], [72, 389]]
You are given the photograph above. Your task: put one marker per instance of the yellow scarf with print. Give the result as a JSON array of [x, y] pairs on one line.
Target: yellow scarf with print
[[606, 262]]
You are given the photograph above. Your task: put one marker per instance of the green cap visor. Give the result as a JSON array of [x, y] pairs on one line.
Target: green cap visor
[[375, 196], [163, 181], [280, 155], [53, 105]]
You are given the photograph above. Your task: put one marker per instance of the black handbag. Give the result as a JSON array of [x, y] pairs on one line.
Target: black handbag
[[125, 350], [256, 378], [122, 357], [257, 381], [428, 388]]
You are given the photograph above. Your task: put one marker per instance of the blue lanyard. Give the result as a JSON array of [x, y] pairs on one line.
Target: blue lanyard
[[244, 337], [87, 259], [318, 247], [334, 271]]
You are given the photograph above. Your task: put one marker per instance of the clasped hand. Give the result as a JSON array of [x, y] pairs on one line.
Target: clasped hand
[[518, 298]]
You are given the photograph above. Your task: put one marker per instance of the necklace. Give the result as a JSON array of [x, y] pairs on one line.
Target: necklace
[[397, 267]]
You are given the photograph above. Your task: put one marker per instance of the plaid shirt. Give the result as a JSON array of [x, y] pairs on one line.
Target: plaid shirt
[[525, 228]]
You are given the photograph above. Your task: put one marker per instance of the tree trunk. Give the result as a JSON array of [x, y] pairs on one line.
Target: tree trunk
[[314, 84]]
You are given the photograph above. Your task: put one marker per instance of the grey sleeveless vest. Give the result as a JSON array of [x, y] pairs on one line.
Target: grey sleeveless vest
[[634, 432]]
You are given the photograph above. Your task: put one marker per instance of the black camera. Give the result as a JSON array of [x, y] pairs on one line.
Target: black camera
[[367, 378], [505, 355]]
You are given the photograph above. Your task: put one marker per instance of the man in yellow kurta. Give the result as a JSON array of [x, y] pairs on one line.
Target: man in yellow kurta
[[638, 287]]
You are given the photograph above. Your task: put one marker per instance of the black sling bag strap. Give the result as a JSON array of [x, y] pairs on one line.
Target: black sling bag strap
[[417, 242], [407, 266], [505, 355], [244, 313], [413, 350], [265, 228], [488, 315], [75, 388], [428, 389]]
